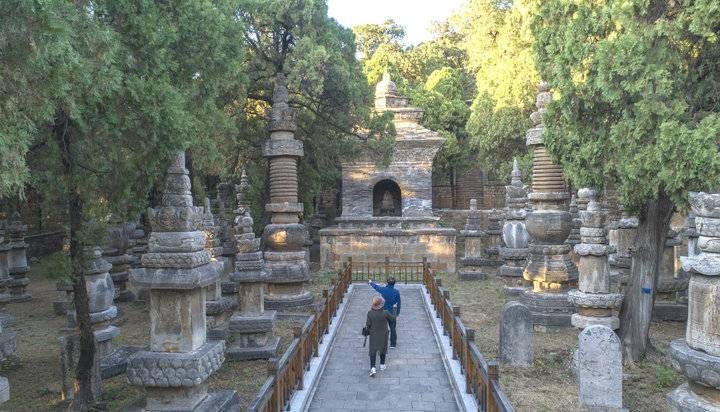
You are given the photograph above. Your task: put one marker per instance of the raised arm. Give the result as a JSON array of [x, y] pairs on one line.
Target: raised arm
[[375, 286]]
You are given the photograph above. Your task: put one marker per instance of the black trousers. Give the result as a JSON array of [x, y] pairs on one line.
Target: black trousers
[[373, 357], [393, 334]]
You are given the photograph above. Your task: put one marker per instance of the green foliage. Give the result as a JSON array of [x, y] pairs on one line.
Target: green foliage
[[665, 377], [498, 42], [54, 266], [100, 94], [368, 37], [636, 85]]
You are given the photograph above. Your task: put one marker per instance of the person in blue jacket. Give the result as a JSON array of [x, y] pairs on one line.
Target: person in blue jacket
[[392, 297]]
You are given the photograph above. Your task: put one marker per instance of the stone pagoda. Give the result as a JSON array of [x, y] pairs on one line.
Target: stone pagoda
[[549, 267], [17, 263], [593, 299], [515, 236], [176, 270], [494, 238], [621, 236], [119, 255], [697, 356], [671, 283], [285, 238], [387, 209], [218, 308], [109, 361], [252, 326], [473, 234]]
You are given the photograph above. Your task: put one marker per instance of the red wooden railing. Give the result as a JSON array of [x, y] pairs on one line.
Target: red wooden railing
[[286, 374], [481, 375]]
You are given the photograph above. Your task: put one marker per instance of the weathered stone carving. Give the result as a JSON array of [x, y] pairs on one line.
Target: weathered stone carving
[[621, 236], [671, 283], [697, 356], [408, 236], [593, 299], [599, 369], [16, 281], [515, 236], [180, 358], [285, 236], [251, 327], [516, 335], [473, 235], [549, 267]]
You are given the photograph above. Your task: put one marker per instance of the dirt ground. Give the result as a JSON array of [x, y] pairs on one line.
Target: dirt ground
[[550, 384], [34, 370]]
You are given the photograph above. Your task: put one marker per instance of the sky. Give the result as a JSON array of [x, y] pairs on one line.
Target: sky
[[415, 15]]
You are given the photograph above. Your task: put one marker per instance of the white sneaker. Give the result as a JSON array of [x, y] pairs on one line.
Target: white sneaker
[[382, 367], [372, 372], [392, 347]]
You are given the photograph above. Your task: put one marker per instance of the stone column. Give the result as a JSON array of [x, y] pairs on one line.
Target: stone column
[[218, 308], [574, 236], [16, 261], [252, 325], [101, 292], [549, 267], [285, 237], [176, 269], [621, 236], [120, 262], [692, 235], [515, 236], [670, 284], [697, 356], [494, 238], [473, 235], [595, 304]]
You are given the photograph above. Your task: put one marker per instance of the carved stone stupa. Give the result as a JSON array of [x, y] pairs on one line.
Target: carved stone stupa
[[176, 270], [515, 236], [549, 267], [697, 356], [285, 238]]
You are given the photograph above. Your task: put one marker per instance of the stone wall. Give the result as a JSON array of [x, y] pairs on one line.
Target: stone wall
[[373, 245], [42, 244], [471, 184]]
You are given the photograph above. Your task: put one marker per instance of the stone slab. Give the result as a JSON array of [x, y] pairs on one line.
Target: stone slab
[[472, 275], [599, 368], [516, 335], [235, 352], [216, 401], [683, 399], [669, 311]]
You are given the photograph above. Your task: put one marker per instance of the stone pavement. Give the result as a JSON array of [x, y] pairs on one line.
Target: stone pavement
[[415, 379]]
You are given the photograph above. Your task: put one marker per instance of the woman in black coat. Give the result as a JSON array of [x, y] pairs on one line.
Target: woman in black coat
[[377, 325]]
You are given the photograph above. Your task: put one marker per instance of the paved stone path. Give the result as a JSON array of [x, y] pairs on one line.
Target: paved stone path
[[415, 379]]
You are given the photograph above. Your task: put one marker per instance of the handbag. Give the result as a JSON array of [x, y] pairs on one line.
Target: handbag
[[365, 333]]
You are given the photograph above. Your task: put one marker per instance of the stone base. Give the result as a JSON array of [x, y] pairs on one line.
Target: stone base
[[6, 319], [229, 288], [510, 271], [253, 323], [296, 302], [4, 389], [664, 311], [513, 293], [235, 352], [472, 275], [124, 296], [116, 363], [683, 399], [216, 401], [582, 321], [550, 311], [6, 298]]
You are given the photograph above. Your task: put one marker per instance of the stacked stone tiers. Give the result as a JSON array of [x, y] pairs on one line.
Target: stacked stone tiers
[[176, 270], [697, 356], [593, 299], [473, 261], [670, 284], [120, 274], [621, 235], [251, 326], [285, 238], [549, 268], [15, 249], [515, 236], [494, 238]]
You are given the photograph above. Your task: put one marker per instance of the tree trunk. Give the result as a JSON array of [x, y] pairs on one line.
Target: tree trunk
[[636, 310], [84, 399]]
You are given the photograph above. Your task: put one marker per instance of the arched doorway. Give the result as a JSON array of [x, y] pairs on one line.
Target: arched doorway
[[386, 199]]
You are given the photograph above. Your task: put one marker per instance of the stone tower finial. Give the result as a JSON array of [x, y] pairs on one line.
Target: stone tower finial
[[516, 176], [543, 98], [241, 191], [177, 183]]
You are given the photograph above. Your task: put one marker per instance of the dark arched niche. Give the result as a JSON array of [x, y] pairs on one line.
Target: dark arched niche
[[386, 199]]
